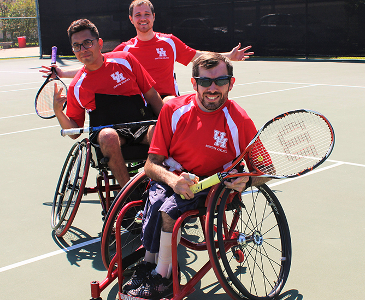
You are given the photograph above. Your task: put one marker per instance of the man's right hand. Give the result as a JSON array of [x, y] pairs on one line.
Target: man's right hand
[[59, 99], [47, 70], [183, 184], [66, 73]]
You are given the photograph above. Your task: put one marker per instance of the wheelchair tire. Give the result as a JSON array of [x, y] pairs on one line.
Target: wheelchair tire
[[253, 240], [70, 187], [132, 249]]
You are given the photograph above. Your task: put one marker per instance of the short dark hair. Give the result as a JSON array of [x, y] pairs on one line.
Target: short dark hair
[[138, 3], [210, 60], [80, 25]]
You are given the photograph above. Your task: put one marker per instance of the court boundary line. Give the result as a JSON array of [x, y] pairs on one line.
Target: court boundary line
[[50, 254], [26, 130], [95, 240], [305, 85]]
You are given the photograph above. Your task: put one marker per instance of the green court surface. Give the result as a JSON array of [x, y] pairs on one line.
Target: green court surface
[[325, 209]]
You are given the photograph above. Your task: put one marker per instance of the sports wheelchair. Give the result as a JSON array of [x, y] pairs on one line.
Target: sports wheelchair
[[71, 184], [247, 237]]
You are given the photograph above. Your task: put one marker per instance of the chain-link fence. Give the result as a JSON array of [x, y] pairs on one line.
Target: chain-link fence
[[13, 27]]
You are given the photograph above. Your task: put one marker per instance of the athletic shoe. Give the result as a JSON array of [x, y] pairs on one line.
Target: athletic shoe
[[154, 287], [141, 272]]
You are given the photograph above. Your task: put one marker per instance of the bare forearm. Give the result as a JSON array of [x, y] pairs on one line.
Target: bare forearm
[[68, 73], [180, 184], [257, 181], [154, 99], [236, 54], [156, 171], [66, 123]]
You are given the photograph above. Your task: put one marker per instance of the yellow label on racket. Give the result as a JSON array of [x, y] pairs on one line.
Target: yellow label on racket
[[260, 158]]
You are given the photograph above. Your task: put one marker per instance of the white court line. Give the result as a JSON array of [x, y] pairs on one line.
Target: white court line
[[33, 88], [24, 83], [26, 130], [77, 246], [310, 173], [17, 72], [240, 84], [17, 116], [277, 91], [50, 254], [316, 84]]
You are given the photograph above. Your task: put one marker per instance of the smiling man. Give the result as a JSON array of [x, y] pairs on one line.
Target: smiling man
[[204, 132], [157, 51], [113, 88]]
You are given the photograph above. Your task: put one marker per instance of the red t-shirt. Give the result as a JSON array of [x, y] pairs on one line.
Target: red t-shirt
[[121, 74], [158, 56], [204, 143]]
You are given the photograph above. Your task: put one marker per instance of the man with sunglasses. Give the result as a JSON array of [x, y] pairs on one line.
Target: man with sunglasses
[[203, 132], [113, 88]]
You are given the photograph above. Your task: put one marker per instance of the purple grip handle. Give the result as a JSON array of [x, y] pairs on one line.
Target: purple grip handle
[[54, 55]]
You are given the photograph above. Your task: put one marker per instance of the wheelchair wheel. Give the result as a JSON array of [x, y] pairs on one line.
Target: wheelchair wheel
[[253, 238], [70, 187], [132, 249]]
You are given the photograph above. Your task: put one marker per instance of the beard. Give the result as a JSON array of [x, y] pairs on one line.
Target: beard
[[212, 106]]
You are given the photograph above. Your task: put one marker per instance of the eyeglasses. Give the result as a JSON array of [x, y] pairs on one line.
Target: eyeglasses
[[86, 44], [207, 82]]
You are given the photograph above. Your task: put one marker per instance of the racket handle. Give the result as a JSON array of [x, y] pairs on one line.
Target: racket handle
[[206, 183], [73, 131], [54, 55]]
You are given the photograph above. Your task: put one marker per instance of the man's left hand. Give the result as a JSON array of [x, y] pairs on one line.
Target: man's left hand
[[238, 184], [238, 54]]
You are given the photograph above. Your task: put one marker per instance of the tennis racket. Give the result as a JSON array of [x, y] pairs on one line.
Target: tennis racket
[[73, 131], [289, 145], [44, 97]]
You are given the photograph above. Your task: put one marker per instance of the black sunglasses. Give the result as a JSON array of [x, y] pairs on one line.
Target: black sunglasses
[[207, 82]]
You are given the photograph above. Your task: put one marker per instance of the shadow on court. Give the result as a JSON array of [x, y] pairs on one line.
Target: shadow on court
[[77, 248]]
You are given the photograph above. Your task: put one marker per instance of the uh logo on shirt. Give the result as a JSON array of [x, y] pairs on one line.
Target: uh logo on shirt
[[220, 143], [119, 78], [161, 53]]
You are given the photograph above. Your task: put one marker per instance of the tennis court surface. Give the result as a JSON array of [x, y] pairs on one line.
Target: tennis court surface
[[325, 209]]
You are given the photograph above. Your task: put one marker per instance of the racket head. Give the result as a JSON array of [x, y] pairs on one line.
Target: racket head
[[292, 144], [44, 97]]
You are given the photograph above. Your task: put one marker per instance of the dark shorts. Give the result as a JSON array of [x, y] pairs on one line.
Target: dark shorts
[[115, 109], [132, 136], [162, 198]]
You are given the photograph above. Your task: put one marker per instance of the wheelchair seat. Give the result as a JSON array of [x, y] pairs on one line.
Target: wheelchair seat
[[131, 154]]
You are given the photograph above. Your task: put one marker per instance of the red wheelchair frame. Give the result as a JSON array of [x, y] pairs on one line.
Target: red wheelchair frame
[[237, 246], [71, 184]]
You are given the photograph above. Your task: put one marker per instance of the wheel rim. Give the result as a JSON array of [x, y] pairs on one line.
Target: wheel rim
[[131, 225], [255, 252]]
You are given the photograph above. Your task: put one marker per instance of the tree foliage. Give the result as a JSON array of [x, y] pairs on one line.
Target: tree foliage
[[12, 28]]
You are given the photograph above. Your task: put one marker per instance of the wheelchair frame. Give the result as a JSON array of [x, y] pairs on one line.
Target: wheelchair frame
[[71, 184], [249, 243]]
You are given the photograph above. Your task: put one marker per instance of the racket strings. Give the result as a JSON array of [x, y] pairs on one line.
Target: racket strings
[[45, 100], [292, 144], [44, 104]]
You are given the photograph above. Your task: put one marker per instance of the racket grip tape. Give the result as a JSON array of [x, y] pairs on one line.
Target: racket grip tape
[[206, 183], [54, 55], [73, 131]]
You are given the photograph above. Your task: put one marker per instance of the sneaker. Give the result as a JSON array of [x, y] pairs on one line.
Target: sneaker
[[154, 287], [141, 271]]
